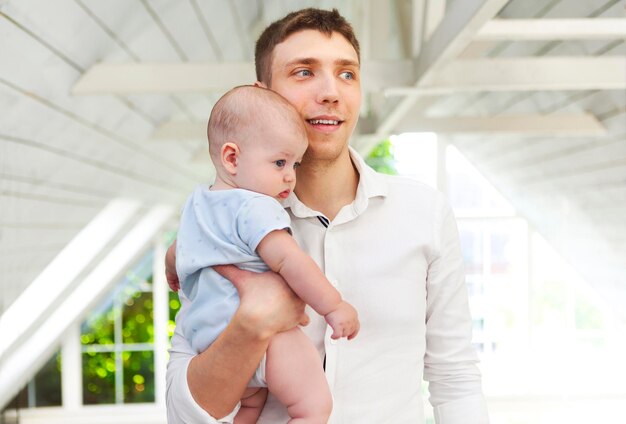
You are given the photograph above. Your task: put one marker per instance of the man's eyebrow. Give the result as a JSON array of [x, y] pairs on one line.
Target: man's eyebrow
[[347, 62], [314, 61], [302, 61]]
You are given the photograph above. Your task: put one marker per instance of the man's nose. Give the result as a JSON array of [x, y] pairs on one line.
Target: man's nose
[[328, 91]]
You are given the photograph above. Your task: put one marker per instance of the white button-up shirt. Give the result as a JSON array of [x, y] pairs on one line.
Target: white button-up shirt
[[394, 254]]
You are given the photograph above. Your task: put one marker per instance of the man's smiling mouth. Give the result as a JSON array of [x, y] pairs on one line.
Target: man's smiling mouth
[[324, 121]]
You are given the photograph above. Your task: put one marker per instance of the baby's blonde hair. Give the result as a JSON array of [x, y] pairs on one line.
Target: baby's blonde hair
[[238, 115]]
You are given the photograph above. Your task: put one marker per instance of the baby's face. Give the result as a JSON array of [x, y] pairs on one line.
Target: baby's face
[[268, 164]]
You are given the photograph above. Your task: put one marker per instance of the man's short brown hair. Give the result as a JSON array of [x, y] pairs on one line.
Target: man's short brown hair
[[324, 21]]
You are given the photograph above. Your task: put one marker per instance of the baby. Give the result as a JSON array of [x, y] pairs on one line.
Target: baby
[[256, 142]]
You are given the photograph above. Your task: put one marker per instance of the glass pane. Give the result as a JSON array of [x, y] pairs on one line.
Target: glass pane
[[48, 383], [98, 328], [138, 376], [587, 315], [174, 307], [416, 156], [469, 192], [502, 243], [382, 158], [472, 248], [98, 378], [137, 318], [20, 401], [43, 390]]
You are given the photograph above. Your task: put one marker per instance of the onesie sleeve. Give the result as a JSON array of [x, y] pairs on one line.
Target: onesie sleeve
[[259, 216]]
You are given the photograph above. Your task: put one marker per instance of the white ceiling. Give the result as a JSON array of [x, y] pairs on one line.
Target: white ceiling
[[543, 107]]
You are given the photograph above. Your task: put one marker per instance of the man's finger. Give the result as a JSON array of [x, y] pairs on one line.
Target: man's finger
[[230, 272]]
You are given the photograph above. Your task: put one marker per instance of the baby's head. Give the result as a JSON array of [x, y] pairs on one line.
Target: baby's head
[[256, 140]]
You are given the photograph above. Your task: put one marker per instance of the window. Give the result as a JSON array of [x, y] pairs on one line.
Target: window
[[118, 342]]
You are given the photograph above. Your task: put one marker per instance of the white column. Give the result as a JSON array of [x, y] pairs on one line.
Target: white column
[[71, 369], [161, 315]]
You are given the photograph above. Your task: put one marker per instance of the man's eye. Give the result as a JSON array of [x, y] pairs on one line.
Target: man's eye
[[296, 165], [347, 75], [304, 73], [280, 163]]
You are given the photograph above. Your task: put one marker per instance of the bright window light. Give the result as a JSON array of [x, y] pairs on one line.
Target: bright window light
[[416, 156]]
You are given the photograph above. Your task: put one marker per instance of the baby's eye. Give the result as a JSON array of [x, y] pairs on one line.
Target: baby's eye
[[280, 163], [296, 165]]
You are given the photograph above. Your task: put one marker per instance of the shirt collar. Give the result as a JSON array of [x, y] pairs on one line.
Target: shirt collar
[[371, 184]]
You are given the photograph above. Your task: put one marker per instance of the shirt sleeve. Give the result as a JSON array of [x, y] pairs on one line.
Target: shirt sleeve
[[259, 216], [450, 362]]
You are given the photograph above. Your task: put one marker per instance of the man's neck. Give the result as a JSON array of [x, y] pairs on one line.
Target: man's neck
[[327, 186]]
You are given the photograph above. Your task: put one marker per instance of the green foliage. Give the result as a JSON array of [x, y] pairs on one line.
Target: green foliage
[[382, 158], [587, 316], [138, 318], [174, 307], [138, 377], [98, 378]]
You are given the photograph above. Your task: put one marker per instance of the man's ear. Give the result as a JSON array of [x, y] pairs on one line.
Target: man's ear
[[260, 84], [230, 155]]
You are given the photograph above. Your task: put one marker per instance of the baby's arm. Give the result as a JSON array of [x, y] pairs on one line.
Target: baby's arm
[[282, 254]]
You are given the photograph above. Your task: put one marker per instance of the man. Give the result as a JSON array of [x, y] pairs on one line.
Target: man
[[388, 244]]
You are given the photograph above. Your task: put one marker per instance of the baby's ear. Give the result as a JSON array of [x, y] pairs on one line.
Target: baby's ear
[[229, 156]]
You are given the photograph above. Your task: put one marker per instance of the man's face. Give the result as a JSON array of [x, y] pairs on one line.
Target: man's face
[[320, 76]]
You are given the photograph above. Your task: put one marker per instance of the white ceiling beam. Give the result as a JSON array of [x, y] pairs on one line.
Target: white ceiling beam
[[162, 78], [449, 40], [418, 13], [21, 364], [434, 12], [181, 130], [522, 74], [566, 124], [477, 49], [553, 29], [379, 29], [376, 75], [47, 289], [142, 78]]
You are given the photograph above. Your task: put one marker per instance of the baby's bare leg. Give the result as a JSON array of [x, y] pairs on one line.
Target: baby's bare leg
[[252, 403], [295, 376]]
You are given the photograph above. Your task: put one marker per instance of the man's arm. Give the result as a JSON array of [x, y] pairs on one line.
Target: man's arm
[[218, 376], [450, 363]]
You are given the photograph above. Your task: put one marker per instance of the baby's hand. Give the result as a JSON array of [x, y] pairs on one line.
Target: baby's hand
[[344, 321]]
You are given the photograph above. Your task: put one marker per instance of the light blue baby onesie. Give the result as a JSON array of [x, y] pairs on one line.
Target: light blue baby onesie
[[220, 227]]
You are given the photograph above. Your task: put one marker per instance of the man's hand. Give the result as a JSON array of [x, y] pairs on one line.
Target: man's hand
[[170, 267], [344, 321], [267, 304]]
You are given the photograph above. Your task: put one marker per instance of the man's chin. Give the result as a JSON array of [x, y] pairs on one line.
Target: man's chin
[[325, 150]]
